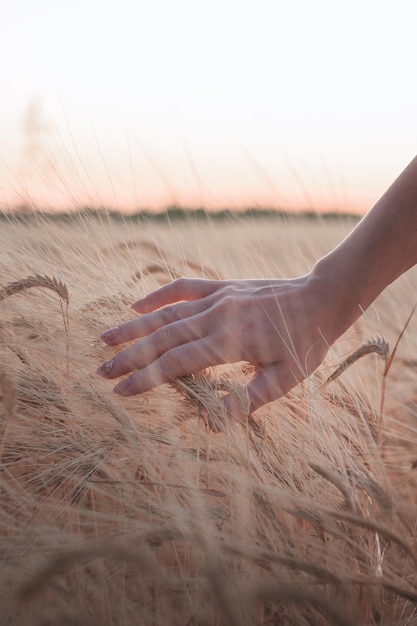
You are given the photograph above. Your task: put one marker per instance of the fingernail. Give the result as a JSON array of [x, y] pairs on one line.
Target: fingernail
[[122, 387], [106, 368], [110, 334]]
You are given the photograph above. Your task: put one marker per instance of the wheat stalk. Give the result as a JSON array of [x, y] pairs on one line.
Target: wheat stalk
[[141, 558], [9, 397], [335, 479], [388, 364], [203, 269], [285, 592], [9, 394]]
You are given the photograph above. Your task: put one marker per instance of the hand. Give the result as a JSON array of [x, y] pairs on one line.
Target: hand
[[283, 327]]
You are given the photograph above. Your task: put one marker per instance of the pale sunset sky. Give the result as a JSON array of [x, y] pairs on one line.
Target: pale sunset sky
[[221, 103]]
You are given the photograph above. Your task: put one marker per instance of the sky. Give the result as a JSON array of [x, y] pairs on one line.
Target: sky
[[222, 103]]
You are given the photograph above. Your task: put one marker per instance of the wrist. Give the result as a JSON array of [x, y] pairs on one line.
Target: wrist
[[342, 296]]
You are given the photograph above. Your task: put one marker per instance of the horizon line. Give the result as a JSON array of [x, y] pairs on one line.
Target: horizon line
[[175, 212]]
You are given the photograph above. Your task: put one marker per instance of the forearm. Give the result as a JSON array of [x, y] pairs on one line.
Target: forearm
[[381, 248]]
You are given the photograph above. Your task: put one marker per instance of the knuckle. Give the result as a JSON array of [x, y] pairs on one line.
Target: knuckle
[[186, 287], [127, 331], [170, 364], [181, 284], [229, 293], [164, 336], [168, 314], [126, 361], [227, 303], [230, 290]]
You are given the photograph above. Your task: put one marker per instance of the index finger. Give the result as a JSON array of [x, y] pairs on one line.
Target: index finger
[[178, 290]]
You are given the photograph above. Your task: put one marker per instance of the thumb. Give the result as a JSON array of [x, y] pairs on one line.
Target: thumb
[[237, 405], [269, 383]]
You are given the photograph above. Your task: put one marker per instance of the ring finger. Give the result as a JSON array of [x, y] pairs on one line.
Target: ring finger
[[147, 350]]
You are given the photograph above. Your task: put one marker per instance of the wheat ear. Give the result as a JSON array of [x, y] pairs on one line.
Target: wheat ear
[[200, 390], [203, 390], [37, 280], [373, 346], [45, 282]]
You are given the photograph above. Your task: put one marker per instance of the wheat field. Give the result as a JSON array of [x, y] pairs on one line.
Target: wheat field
[[118, 511]]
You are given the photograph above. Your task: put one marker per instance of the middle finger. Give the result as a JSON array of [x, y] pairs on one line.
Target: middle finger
[[147, 350]]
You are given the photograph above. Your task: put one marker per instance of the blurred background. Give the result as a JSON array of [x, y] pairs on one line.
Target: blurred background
[[222, 104]]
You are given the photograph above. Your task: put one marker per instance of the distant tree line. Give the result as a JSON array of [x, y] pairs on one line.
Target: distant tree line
[[172, 214]]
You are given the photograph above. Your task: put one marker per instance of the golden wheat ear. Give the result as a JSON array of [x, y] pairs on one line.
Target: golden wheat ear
[[200, 390], [45, 282], [374, 346], [37, 280]]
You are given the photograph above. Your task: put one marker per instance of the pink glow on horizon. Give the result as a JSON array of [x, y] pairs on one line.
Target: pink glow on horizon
[[57, 177], [295, 105], [64, 165], [131, 196]]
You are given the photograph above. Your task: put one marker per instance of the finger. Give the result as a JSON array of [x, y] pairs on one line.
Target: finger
[[180, 289], [149, 322], [235, 409], [188, 358], [149, 349], [270, 383]]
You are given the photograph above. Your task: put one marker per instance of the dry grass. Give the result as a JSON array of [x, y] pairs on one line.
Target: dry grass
[[127, 511]]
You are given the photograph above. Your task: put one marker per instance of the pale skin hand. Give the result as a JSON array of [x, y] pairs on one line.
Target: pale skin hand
[[283, 327], [273, 324]]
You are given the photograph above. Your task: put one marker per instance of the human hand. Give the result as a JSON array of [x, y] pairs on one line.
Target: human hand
[[282, 327]]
